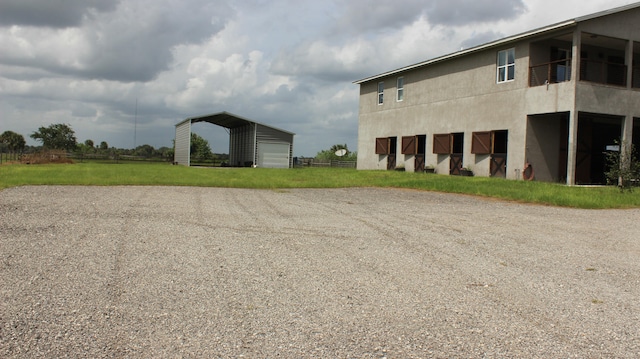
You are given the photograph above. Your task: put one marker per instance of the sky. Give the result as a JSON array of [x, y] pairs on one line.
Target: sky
[[127, 71]]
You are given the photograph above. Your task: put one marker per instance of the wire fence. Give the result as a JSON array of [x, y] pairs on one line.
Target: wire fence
[[312, 162]]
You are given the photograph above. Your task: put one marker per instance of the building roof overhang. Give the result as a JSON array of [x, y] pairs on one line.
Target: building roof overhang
[[568, 24]]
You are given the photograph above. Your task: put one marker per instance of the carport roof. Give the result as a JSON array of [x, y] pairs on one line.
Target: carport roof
[[227, 120]]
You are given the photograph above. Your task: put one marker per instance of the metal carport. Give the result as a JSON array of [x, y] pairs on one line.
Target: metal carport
[[250, 143]]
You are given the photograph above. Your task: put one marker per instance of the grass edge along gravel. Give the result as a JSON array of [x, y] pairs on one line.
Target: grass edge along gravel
[[158, 174]]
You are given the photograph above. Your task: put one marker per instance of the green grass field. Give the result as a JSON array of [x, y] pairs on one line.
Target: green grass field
[[160, 174]]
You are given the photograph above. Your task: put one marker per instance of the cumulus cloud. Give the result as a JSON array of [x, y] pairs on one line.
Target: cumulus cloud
[[376, 16], [465, 12], [51, 13], [325, 61], [479, 38], [119, 70], [133, 42], [405, 32]]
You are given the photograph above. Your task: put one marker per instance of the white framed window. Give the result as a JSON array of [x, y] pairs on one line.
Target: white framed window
[[380, 93], [400, 89], [506, 70]]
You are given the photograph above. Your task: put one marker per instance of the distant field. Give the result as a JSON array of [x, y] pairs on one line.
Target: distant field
[[161, 174]]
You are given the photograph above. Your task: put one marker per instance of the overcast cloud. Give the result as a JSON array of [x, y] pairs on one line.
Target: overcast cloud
[[285, 63]]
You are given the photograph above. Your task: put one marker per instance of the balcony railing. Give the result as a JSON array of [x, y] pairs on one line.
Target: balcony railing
[[603, 72], [550, 72]]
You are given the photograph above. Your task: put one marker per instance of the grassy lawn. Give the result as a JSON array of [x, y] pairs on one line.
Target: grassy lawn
[[160, 174]]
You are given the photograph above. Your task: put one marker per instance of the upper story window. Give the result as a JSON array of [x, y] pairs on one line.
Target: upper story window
[[400, 87], [380, 92], [506, 65]]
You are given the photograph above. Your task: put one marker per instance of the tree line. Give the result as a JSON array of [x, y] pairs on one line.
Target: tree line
[[62, 137]]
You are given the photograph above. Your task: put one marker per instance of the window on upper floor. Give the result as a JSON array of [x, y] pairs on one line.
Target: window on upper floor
[[380, 93], [506, 70], [400, 87]]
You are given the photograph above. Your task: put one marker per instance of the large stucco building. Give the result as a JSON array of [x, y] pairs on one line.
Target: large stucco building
[[557, 98]]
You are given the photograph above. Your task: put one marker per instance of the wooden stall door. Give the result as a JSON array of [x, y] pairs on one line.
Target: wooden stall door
[[457, 148], [455, 164], [391, 157], [499, 165]]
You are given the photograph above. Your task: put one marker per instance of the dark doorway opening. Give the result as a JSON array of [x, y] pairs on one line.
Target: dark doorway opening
[[547, 144], [595, 133], [635, 138]]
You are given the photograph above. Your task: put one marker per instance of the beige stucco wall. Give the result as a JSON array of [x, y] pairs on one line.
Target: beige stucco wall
[[623, 25], [461, 95], [457, 96]]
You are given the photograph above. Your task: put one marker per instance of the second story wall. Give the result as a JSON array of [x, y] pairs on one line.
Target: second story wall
[[464, 93]]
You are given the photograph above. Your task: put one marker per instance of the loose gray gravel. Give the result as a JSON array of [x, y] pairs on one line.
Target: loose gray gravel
[[340, 273]]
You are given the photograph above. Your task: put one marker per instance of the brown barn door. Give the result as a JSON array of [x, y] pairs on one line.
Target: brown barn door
[[442, 143], [420, 153], [493, 143], [498, 166], [382, 145], [387, 146], [457, 148], [415, 145], [409, 145], [391, 157]]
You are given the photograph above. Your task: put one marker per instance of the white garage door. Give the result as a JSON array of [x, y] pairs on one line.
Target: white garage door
[[273, 155]]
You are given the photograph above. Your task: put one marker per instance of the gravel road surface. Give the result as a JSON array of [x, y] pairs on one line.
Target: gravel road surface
[[155, 272]]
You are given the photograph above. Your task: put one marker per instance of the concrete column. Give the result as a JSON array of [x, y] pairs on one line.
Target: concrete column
[[572, 149], [629, 62], [627, 129], [575, 56], [627, 122]]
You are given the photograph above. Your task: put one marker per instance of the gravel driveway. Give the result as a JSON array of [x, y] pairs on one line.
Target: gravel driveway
[[339, 273]]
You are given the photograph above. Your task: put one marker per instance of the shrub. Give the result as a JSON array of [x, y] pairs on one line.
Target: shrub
[[624, 168]]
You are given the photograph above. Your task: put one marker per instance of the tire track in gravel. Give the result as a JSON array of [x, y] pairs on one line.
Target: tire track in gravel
[[394, 280], [391, 227], [241, 303], [114, 314], [298, 251], [267, 269], [233, 313], [282, 278]]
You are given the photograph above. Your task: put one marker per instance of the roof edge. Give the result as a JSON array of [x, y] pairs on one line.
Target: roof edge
[[488, 45], [504, 41]]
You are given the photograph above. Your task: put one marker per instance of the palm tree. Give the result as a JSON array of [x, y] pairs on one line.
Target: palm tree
[[15, 142]]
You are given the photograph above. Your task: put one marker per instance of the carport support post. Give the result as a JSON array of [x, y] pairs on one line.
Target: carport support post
[[255, 145], [572, 150]]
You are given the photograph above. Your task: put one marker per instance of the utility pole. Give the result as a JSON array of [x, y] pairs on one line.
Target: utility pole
[[135, 125]]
